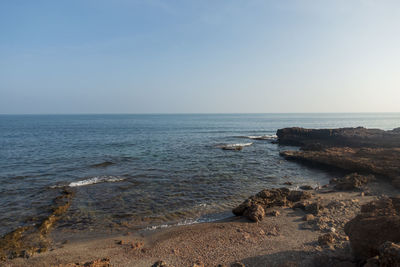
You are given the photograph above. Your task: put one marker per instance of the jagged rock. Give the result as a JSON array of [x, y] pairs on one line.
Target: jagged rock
[[255, 206], [351, 182], [378, 222], [255, 213], [238, 264]]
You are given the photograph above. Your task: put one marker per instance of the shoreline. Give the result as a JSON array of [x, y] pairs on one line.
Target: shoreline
[[302, 232], [281, 240]]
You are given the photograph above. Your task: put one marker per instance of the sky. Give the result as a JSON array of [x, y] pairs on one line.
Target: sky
[[199, 56]]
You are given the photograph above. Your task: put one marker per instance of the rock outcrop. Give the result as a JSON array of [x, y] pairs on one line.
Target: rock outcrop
[[352, 181], [378, 161], [378, 222], [255, 206], [341, 137]]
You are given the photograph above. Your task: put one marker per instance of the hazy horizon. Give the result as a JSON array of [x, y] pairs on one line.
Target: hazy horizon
[[180, 57]]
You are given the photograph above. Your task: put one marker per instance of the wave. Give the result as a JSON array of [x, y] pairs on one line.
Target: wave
[[234, 146], [96, 180], [260, 137]]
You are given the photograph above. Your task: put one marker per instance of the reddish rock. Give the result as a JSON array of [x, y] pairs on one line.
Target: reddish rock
[[255, 206], [255, 213]]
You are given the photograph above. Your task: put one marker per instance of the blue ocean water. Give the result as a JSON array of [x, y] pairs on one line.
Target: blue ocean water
[[165, 168]]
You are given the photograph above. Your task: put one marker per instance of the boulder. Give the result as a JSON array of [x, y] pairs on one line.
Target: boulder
[[255, 206], [378, 222], [255, 213]]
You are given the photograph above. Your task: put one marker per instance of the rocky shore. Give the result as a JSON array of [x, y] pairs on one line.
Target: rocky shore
[[366, 151], [352, 221]]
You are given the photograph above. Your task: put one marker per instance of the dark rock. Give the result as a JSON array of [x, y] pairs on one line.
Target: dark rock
[[238, 264], [313, 208], [389, 254], [378, 222], [288, 183], [372, 262], [317, 139]]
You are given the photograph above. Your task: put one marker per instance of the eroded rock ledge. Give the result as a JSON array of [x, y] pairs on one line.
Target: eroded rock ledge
[[367, 151], [341, 137]]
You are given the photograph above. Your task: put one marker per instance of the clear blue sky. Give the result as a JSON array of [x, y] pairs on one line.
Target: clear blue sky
[[153, 56]]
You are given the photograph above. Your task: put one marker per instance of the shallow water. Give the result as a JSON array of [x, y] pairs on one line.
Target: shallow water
[[157, 169]]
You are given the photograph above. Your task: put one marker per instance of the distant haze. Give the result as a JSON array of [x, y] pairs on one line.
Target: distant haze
[[153, 56]]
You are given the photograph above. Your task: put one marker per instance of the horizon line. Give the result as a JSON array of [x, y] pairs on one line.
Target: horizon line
[[198, 113]]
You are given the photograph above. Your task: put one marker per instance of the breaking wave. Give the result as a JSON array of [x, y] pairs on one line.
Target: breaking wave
[[234, 146], [260, 137], [96, 180]]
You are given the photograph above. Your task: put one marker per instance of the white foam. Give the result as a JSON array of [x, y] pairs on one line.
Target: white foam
[[263, 137], [235, 146], [96, 180]]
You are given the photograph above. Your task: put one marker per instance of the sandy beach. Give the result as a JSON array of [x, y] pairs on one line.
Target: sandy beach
[[285, 239]]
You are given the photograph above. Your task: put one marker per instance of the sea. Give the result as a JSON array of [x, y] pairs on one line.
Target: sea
[[150, 171]]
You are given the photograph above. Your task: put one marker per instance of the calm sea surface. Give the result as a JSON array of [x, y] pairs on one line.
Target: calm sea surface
[[166, 168]]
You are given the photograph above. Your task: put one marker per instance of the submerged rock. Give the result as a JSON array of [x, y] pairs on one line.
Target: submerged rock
[[103, 164], [25, 241], [378, 222], [234, 146], [255, 206]]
